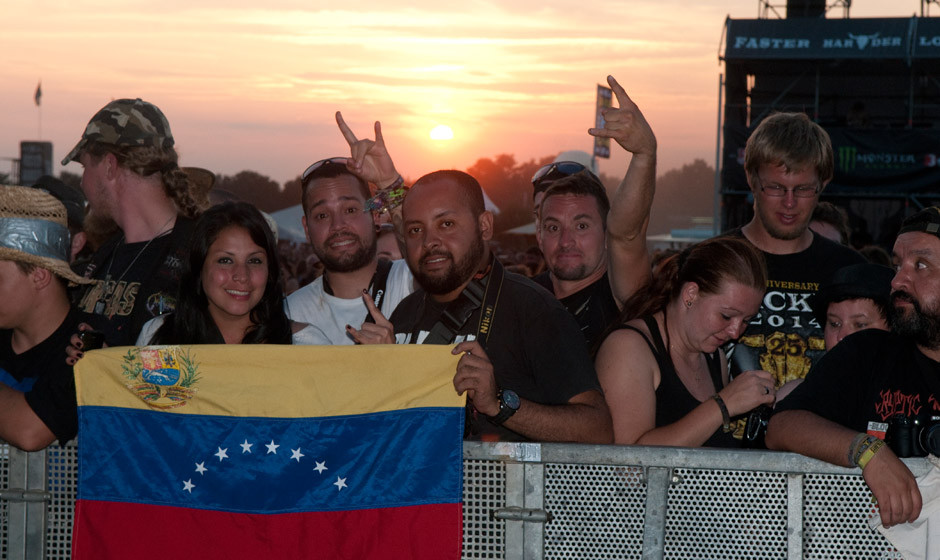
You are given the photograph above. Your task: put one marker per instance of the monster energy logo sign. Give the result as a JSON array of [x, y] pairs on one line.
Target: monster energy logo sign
[[849, 159], [847, 156]]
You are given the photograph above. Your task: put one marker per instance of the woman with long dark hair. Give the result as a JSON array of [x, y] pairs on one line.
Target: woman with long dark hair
[[664, 375], [230, 287]]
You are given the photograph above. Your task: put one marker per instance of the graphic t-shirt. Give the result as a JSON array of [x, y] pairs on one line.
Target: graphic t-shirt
[[870, 377], [137, 281], [784, 337]]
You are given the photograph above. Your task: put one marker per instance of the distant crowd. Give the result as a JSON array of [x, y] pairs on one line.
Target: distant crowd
[[772, 335]]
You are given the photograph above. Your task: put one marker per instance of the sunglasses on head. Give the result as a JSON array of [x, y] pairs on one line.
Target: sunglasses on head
[[319, 164], [555, 170]]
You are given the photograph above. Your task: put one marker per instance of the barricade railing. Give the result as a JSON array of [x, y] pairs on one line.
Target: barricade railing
[[533, 501]]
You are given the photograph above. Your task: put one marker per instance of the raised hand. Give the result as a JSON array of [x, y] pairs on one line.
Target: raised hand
[[369, 159], [626, 124]]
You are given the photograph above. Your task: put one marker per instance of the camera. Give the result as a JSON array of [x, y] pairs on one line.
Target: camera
[[756, 427], [912, 437]]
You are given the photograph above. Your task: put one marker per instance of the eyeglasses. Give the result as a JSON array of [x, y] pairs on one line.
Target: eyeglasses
[[778, 191], [555, 170], [318, 164]]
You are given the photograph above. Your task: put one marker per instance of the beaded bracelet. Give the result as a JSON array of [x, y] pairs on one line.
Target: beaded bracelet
[[725, 417], [389, 198]]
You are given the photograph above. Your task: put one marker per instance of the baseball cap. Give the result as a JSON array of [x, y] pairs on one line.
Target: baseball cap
[[126, 122], [71, 198], [867, 280], [925, 221]]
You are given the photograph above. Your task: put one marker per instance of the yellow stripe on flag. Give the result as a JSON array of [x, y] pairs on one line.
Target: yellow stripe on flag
[[269, 380]]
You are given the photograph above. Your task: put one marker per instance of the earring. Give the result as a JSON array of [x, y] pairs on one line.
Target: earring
[[688, 303]]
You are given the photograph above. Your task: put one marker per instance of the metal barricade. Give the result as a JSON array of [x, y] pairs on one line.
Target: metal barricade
[[533, 501]]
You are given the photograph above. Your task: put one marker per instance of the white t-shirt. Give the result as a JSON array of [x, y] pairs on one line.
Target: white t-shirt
[[330, 314], [307, 335]]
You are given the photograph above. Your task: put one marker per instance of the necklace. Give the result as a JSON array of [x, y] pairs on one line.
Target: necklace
[[109, 288]]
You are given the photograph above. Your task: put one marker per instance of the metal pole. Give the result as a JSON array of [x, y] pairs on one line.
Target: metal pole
[[716, 209]]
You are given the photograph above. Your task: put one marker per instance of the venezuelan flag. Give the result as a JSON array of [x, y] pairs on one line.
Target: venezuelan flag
[[269, 452]]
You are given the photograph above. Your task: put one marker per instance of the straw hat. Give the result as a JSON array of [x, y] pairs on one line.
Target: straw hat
[[34, 230]]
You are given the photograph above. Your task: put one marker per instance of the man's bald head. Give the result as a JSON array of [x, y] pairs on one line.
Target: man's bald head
[[463, 185]]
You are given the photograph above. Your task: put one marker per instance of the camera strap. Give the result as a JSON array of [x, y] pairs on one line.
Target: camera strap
[[480, 292]]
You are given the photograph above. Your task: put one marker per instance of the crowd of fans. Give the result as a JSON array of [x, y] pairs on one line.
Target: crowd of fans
[[586, 338]]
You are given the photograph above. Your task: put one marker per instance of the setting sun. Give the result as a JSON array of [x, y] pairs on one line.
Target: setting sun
[[442, 132]]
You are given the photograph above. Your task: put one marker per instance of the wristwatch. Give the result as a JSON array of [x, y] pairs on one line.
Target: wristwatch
[[508, 405]]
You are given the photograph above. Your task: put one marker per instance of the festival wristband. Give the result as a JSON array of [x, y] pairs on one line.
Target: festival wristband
[[869, 453], [725, 417], [388, 198], [855, 449]]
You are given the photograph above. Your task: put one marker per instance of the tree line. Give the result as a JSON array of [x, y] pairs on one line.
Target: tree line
[[680, 193]]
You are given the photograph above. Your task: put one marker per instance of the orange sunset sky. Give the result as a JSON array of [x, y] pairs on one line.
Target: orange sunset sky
[[255, 85]]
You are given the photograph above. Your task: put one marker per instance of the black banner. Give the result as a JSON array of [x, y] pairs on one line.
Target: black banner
[[820, 38], [926, 42]]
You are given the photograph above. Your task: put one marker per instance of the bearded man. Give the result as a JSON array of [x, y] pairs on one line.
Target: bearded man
[[524, 364], [874, 383]]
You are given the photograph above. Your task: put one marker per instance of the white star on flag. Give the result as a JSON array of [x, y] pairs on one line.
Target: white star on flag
[[221, 454], [296, 454], [246, 447], [272, 447], [188, 485], [340, 483], [320, 467], [201, 467]]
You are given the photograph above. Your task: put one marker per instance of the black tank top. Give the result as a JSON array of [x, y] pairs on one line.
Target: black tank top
[[673, 399]]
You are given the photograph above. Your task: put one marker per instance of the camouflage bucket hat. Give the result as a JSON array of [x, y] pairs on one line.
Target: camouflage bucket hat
[[126, 122]]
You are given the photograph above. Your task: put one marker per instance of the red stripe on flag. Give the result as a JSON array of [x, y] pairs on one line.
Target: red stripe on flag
[[105, 530]]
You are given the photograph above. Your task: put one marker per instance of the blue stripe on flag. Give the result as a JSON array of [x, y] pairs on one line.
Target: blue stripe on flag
[[271, 465]]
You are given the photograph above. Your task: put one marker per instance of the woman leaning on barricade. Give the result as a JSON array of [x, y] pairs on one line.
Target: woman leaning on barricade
[[664, 375]]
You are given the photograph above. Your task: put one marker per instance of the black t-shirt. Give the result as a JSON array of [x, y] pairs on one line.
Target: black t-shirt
[[784, 338], [868, 378], [138, 281], [41, 373], [534, 344], [594, 307]]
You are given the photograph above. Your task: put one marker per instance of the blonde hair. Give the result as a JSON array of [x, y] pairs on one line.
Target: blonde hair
[[793, 141]]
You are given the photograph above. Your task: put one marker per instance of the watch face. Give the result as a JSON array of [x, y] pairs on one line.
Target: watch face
[[511, 399]]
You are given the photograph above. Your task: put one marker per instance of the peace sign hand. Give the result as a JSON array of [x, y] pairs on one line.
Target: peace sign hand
[[626, 124], [369, 158], [380, 332]]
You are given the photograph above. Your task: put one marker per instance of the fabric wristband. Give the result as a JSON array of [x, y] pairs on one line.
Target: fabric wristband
[[725, 417], [869, 452], [855, 448], [388, 198]]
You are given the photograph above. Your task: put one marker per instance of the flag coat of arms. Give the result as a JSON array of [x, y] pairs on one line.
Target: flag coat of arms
[[268, 451]]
